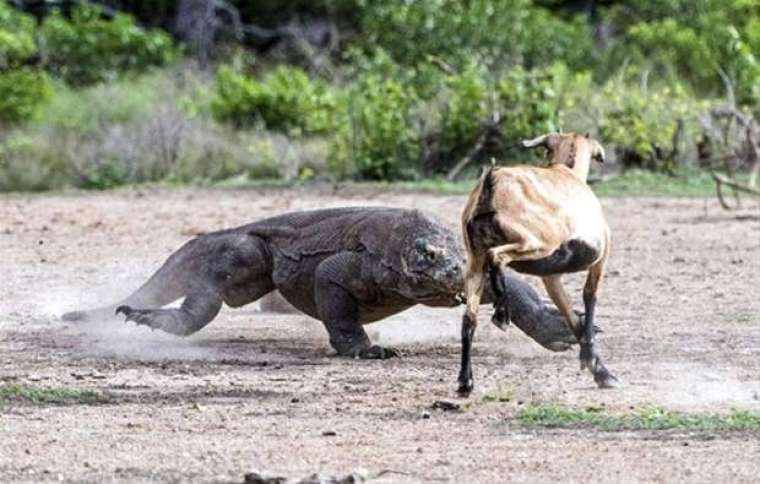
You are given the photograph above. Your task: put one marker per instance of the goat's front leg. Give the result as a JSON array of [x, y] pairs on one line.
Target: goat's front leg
[[473, 286], [589, 357]]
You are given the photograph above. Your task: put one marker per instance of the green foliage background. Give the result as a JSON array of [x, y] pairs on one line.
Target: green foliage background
[[405, 92]]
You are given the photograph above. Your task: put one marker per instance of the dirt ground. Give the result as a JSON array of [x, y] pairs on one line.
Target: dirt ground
[[254, 391]]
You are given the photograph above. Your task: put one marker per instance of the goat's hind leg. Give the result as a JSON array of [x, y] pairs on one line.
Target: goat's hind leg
[[499, 259], [588, 355]]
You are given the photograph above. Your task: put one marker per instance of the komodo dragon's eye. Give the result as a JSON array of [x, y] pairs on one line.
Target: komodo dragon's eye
[[430, 252]]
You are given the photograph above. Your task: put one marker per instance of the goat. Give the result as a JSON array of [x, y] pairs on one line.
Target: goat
[[544, 221]]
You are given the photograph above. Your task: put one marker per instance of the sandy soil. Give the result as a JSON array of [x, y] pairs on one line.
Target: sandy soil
[[255, 391]]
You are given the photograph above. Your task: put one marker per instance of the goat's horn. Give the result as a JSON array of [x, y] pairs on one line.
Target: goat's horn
[[543, 140]]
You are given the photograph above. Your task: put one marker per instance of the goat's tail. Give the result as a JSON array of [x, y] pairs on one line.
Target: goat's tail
[[479, 202], [169, 283]]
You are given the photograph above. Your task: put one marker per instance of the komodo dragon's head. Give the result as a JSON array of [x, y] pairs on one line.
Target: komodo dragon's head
[[433, 264]]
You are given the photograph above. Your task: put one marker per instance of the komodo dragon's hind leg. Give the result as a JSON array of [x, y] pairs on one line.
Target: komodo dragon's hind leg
[[339, 310], [224, 268], [197, 310]]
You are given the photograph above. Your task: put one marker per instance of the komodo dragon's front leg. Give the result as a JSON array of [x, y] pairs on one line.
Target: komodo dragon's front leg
[[337, 284]]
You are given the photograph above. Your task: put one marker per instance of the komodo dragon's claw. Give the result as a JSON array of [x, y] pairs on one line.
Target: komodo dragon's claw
[[125, 310], [136, 316]]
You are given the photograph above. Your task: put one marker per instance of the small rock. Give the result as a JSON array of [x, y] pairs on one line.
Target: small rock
[[425, 415], [329, 433], [294, 400], [258, 478], [446, 406], [320, 479]]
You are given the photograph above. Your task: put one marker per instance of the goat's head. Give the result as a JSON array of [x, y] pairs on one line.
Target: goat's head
[[573, 150]]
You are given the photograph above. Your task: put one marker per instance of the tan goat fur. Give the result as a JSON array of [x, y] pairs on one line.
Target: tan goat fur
[[534, 210]]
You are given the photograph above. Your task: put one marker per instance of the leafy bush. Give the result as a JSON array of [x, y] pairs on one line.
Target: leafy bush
[[378, 141], [463, 116], [638, 124], [707, 43], [497, 33], [21, 93], [16, 36], [22, 89], [285, 99], [530, 105], [88, 48]]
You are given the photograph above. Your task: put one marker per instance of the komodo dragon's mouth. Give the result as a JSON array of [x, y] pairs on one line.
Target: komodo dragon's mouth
[[442, 299]]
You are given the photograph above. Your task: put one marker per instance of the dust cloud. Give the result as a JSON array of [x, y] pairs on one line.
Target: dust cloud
[[111, 336], [692, 385]]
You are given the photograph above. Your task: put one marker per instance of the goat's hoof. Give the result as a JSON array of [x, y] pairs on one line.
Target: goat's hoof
[[465, 388], [604, 379]]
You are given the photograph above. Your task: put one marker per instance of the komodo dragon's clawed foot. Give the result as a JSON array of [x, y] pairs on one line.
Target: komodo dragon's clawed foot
[[376, 352], [501, 316], [141, 317]]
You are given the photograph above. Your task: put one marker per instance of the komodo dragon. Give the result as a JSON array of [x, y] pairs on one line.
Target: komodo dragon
[[343, 266]]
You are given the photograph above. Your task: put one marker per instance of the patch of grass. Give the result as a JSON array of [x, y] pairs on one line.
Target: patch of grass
[[742, 318], [506, 394], [685, 183], [41, 395], [632, 183], [554, 416], [428, 185]]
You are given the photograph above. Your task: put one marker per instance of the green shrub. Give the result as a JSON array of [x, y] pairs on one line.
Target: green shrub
[[16, 36], [467, 109], [88, 48], [641, 124], [529, 104], [87, 109], [22, 89], [636, 123], [708, 44], [496, 33], [27, 162], [378, 141], [285, 99]]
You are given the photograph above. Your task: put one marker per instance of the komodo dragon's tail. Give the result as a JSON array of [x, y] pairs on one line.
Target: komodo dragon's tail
[[169, 283]]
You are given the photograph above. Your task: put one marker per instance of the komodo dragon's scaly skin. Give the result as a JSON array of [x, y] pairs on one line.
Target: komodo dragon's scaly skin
[[345, 266]]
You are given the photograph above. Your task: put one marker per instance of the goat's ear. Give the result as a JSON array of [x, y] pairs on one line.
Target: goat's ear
[[546, 141], [598, 152]]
